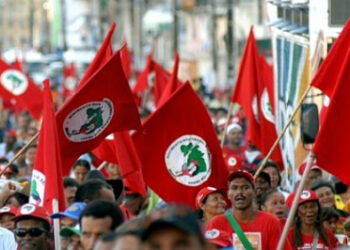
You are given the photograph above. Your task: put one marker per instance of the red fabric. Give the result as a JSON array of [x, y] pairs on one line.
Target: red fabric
[[234, 159], [129, 162], [332, 143], [126, 58], [105, 151], [160, 81], [246, 89], [183, 114], [103, 54], [48, 160], [142, 81], [173, 83], [115, 92], [32, 96], [308, 240], [266, 224]]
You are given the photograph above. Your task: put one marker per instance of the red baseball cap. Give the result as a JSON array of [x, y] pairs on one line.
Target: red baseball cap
[[242, 173], [306, 195], [303, 166], [204, 192], [8, 210], [218, 237], [12, 132], [30, 210]]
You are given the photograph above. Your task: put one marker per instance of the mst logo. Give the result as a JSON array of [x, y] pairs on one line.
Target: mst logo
[[14, 81], [88, 121], [188, 160]]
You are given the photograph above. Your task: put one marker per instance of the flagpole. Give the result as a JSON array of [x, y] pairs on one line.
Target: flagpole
[[294, 207], [275, 144], [56, 225], [21, 151], [226, 124], [102, 165]]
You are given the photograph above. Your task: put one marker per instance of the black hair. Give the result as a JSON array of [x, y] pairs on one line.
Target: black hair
[[70, 182], [298, 241], [44, 223], [265, 196], [90, 190], [3, 160], [340, 187], [265, 176], [274, 165], [328, 213], [322, 183], [83, 163], [199, 212], [21, 198], [100, 209]]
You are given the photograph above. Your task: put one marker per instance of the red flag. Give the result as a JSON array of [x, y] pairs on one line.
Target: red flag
[[102, 56], [332, 143], [69, 80], [129, 162], [103, 105], [246, 89], [126, 58], [173, 83], [16, 85], [179, 150], [105, 151], [161, 79], [47, 183], [142, 81]]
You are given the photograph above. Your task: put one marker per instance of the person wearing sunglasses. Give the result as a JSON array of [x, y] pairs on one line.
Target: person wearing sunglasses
[[32, 228]]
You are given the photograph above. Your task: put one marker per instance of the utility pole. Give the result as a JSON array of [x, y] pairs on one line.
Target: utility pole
[[31, 22], [175, 28], [213, 36], [230, 40], [64, 22]]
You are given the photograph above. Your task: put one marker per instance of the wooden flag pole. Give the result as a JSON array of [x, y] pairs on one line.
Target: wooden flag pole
[[21, 151], [226, 124], [102, 165], [294, 207], [275, 144], [56, 225]]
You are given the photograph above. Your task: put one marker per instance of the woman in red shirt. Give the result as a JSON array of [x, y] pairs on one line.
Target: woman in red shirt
[[308, 231]]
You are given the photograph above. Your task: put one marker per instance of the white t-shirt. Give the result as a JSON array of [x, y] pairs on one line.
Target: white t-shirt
[[7, 240]]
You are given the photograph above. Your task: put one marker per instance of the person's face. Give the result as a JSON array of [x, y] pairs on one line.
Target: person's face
[[7, 222], [261, 186], [30, 155], [214, 205], [308, 212], [241, 193], [69, 194], [92, 228], [106, 194], [12, 202], [31, 242], [274, 176], [9, 139], [276, 205], [113, 171], [127, 242], [172, 239], [325, 197], [23, 122], [331, 224], [80, 173], [67, 222], [313, 176], [235, 136]]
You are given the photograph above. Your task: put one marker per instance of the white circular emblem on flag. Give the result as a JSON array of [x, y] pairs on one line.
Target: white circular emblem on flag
[[27, 209], [88, 121], [14, 81], [188, 160], [255, 108], [266, 107]]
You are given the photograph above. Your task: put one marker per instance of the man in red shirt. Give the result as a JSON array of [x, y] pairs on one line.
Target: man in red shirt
[[262, 230]]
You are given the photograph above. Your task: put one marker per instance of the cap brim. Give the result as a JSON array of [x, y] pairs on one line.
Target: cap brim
[[58, 215], [68, 231]]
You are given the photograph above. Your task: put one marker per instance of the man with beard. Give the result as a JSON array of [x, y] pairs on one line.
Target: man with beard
[[248, 228]]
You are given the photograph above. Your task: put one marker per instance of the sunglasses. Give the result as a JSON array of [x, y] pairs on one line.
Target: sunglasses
[[33, 232]]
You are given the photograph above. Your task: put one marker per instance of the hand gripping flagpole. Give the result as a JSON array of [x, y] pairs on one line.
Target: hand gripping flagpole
[[226, 124], [20, 152], [275, 144], [294, 207]]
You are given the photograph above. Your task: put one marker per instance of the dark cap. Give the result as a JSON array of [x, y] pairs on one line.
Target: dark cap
[[179, 217]]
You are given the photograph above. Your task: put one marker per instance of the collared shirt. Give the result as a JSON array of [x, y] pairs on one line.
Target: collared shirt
[[7, 240]]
